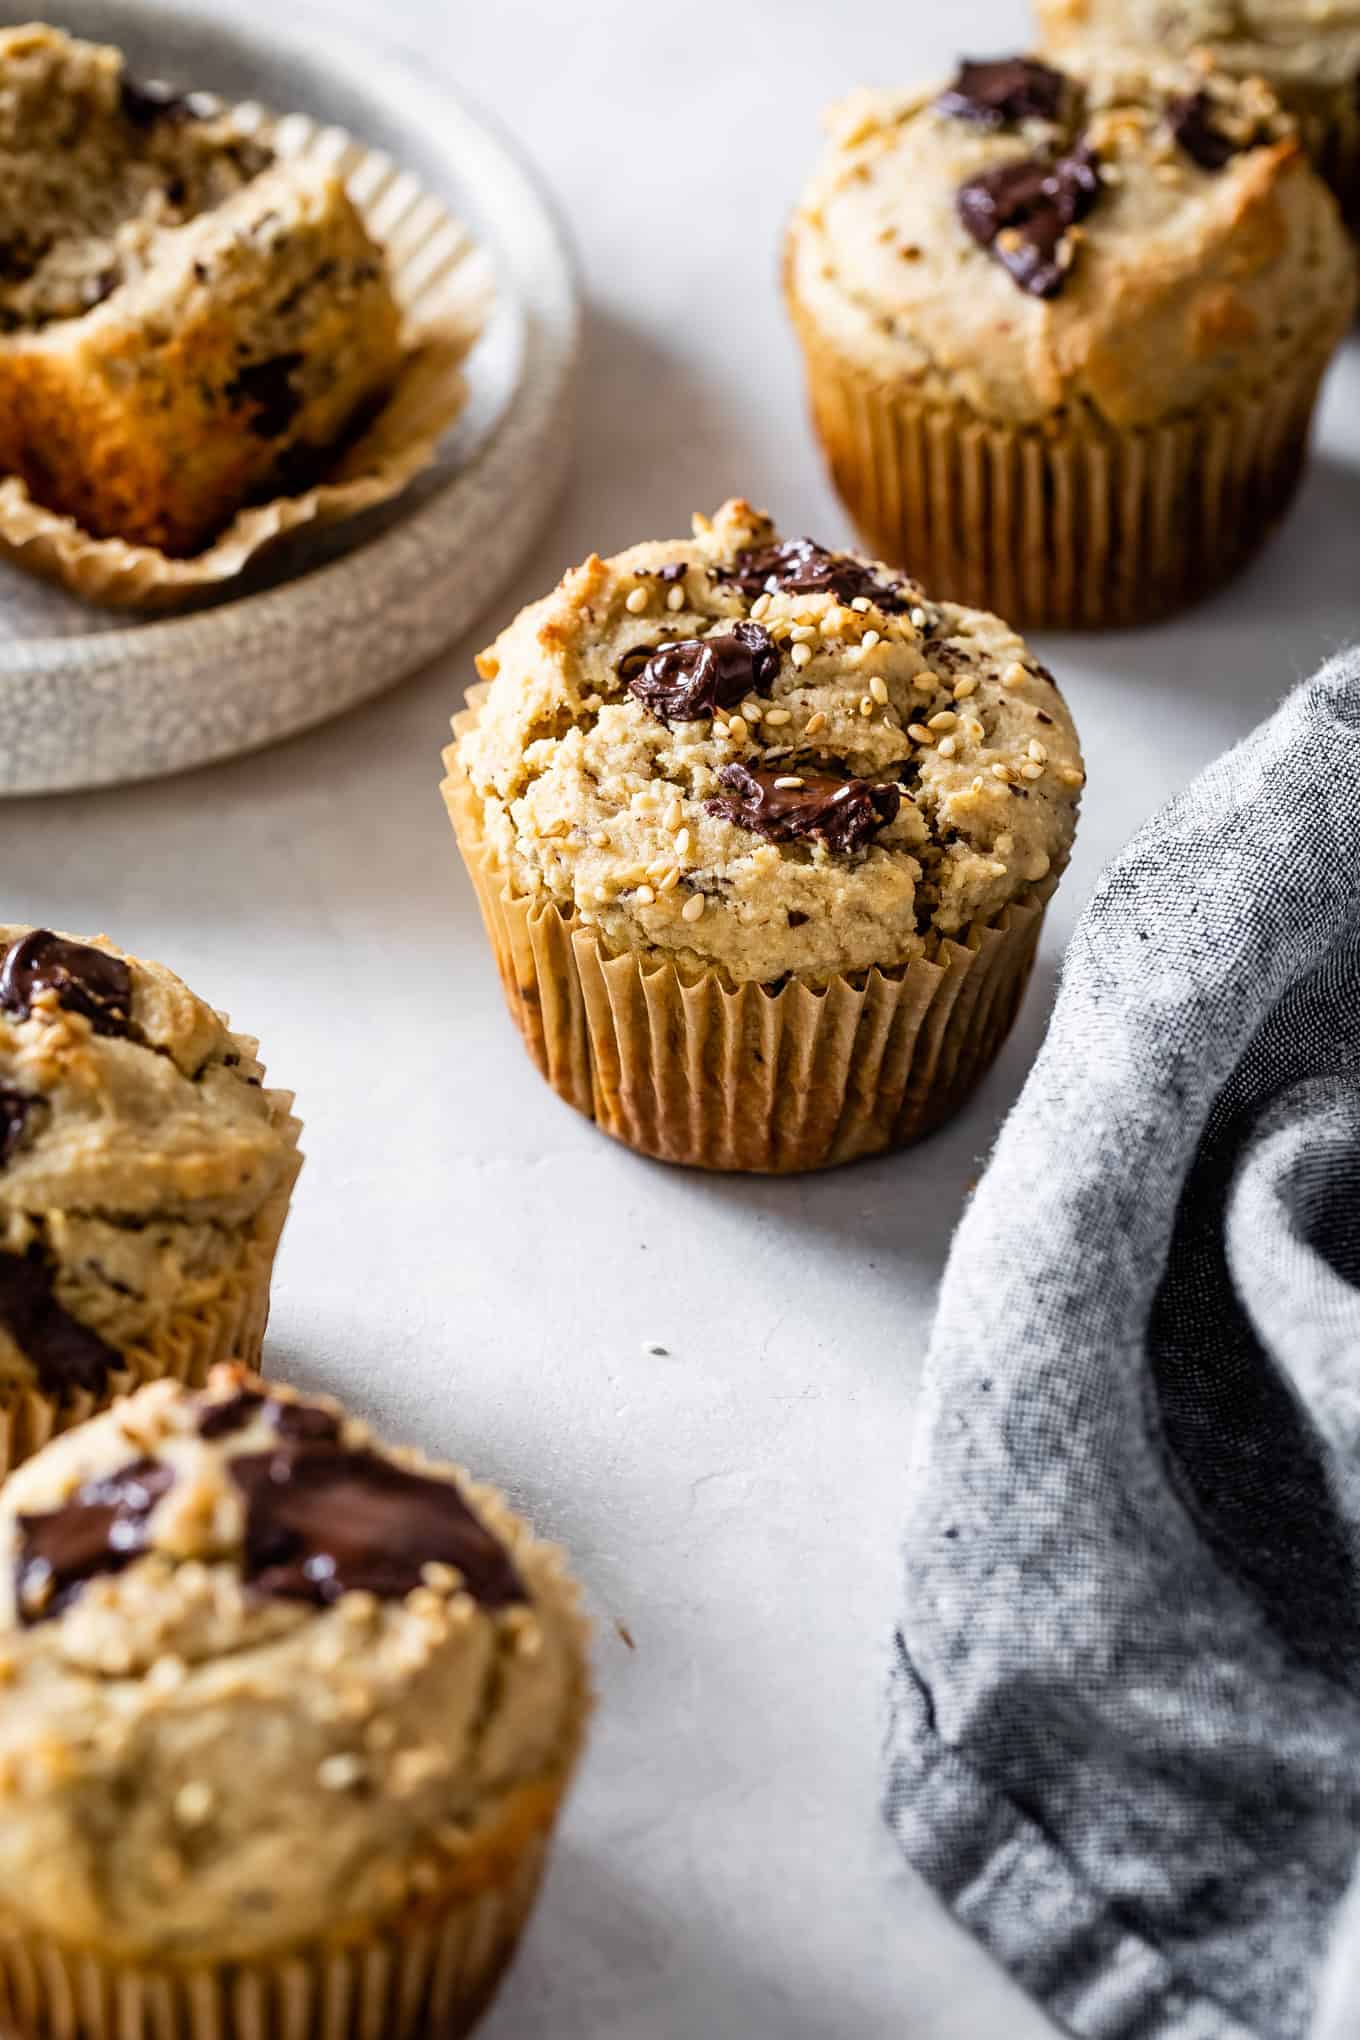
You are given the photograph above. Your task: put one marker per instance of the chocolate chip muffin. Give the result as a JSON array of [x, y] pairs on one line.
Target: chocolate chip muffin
[[1307, 51], [285, 1720], [762, 837], [1064, 333], [144, 1177], [185, 322]]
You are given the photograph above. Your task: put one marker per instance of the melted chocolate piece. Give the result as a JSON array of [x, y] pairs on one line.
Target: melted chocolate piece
[[322, 1521], [1023, 211], [801, 567], [65, 1353], [14, 1111], [85, 980], [831, 804], [687, 681], [100, 1530], [1003, 91], [676, 571], [144, 101], [300, 1421], [1191, 122], [267, 387]]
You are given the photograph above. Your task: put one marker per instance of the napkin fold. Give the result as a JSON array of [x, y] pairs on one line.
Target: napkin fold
[[1125, 1722]]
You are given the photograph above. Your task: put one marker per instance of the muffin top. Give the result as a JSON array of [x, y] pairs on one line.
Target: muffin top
[[95, 167], [1300, 46], [1140, 239], [263, 1679], [754, 754], [136, 1148]]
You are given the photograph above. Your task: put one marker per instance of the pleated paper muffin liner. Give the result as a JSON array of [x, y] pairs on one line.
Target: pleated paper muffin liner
[[442, 283], [426, 1974], [1332, 139], [689, 1068], [1073, 525], [229, 1327]]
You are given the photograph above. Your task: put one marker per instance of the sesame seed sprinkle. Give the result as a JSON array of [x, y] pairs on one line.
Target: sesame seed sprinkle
[[693, 909], [677, 598], [815, 723], [878, 687], [777, 716], [636, 602]]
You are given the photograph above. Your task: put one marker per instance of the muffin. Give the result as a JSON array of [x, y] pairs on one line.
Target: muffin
[[762, 838], [144, 1177], [285, 1721], [186, 324], [1307, 51], [1064, 336]]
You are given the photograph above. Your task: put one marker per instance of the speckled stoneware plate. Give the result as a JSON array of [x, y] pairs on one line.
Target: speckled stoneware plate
[[90, 698]]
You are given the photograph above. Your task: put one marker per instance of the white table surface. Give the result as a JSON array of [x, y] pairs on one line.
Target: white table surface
[[478, 1268]]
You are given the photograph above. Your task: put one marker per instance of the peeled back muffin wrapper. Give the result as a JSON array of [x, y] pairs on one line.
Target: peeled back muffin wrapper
[[681, 1064], [441, 284], [193, 1334], [433, 1905]]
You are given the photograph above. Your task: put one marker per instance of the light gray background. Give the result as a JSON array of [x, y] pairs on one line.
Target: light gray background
[[482, 1271]]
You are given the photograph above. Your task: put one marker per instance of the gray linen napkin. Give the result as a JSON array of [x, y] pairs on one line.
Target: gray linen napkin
[[1125, 1737]]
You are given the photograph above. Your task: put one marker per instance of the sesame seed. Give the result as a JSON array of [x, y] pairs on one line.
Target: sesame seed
[[777, 717], [674, 815], [682, 843], [338, 1774], [1029, 770], [862, 604], [866, 705], [721, 729], [924, 683], [963, 688], [693, 909], [803, 633], [878, 687], [1001, 772], [1014, 676], [1072, 775], [760, 607], [751, 710], [998, 870], [736, 729], [789, 781], [870, 639], [670, 881], [1037, 751], [919, 733], [919, 618], [801, 655], [979, 783], [815, 723], [644, 896], [1038, 865], [948, 746], [945, 720], [636, 602], [677, 597]]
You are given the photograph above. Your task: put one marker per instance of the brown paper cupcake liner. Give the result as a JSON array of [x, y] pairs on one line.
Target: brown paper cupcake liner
[[443, 285], [1074, 526], [230, 1327], [689, 1068], [427, 1974], [1332, 139]]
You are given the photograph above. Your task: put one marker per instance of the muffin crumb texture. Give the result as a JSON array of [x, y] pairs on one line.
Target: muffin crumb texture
[[763, 756], [265, 1681], [138, 1152]]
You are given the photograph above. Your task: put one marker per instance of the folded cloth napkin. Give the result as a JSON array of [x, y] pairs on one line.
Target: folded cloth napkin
[[1125, 1737]]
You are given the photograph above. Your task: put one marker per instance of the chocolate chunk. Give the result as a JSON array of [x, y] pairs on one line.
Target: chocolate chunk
[[100, 1530], [145, 101], [800, 567], [303, 1421], [1191, 122], [694, 678], [675, 571], [322, 1521], [1023, 211], [85, 980], [999, 92], [268, 388], [65, 1353], [14, 1111], [829, 803]]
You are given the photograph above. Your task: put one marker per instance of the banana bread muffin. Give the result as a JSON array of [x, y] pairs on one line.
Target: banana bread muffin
[[1307, 51], [185, 323], [285, 1721], [144, 1177], [762, 838], [1064, 334]]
